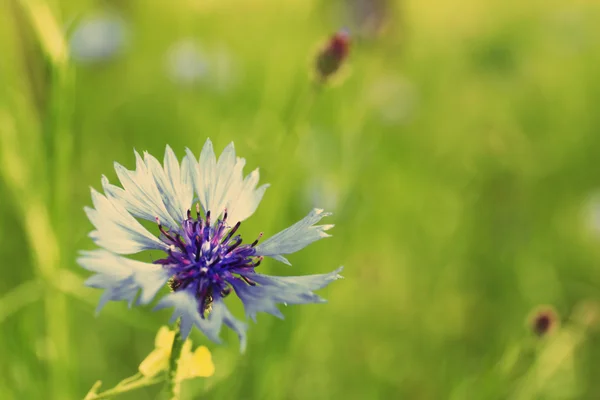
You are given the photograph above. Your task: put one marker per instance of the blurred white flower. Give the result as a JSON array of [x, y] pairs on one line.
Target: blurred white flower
[[188, 64], [395, 97], [98, 38]]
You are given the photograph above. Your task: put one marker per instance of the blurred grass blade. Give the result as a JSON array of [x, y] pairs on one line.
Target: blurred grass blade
[[19, 297], [47, 29]]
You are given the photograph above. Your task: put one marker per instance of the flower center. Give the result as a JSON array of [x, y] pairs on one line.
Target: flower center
[[205, 257]]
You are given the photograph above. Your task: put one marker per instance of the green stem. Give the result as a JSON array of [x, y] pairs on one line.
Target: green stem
[[120, 389], [173, 387]]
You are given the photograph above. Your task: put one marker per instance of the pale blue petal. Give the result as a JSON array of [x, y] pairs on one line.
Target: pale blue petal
[[225, 179], [273, 290], [122, 278], [141, 196], [246, 199], [296, 237], [220, 184], [116, 230], [186, 306], [221, 314], [166, 188], [207, 166], [180, 178]]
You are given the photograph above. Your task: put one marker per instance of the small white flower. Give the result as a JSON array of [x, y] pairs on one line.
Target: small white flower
[[98, 38]]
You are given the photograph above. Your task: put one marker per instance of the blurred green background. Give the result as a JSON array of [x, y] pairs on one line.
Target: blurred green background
[[458, 150]]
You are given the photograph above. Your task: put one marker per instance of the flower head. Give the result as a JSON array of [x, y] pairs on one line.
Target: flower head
[[205, 259]]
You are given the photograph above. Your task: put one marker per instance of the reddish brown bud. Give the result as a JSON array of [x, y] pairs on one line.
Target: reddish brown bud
[[543, 321], [332, 56]]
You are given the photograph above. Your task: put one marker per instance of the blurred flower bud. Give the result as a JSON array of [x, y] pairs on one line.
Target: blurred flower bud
[[544, 321], [97, 38], [331, 57]]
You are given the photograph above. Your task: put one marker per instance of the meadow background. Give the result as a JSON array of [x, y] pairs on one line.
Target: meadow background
[[458, 150]]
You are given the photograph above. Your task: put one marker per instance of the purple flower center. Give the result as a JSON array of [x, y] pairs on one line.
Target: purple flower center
[[205, 258]]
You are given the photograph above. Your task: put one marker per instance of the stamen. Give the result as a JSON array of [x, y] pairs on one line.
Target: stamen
[[180, 241], [215, 262], [225, 292], [231, 232], [257, 239], [189, 214], [248, 281], [238, 241], [257, 263], [224, 216], [198, 247], [197, 210], [208, 218], [163, 231]]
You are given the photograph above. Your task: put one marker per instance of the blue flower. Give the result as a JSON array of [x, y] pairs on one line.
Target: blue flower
[[204, 259]]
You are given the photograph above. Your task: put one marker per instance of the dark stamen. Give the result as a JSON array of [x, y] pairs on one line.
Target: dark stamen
[[163, 231], [257, 239], [212, 264], [180, 241], [198, 247], [238, 241], [248, 281], [231, 232]]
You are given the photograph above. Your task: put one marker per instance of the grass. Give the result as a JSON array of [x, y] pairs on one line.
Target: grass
[[458, 154]]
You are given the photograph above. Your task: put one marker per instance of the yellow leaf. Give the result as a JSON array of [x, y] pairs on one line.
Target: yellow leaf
[[164, 338], [198, 364], [156, 361]]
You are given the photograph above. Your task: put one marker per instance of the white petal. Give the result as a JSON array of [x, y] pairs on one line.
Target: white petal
[[116, 230], [223, 178], [244, 202], [165, 187], [123, 278], [181, 180], [185, 307], [296, 237], [142, 194], [207, 167]]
